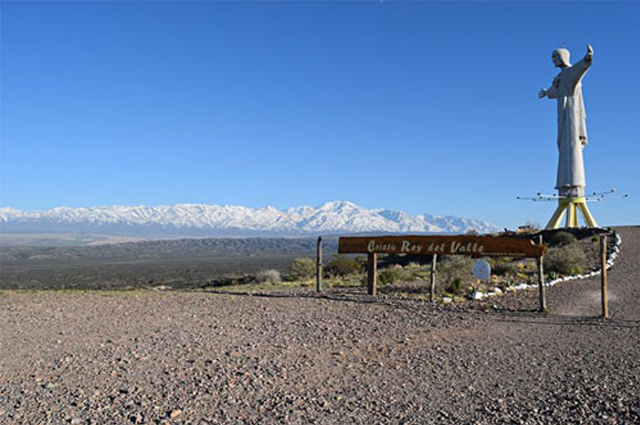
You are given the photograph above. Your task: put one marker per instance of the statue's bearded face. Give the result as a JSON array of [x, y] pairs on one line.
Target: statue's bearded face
[[557, 61]]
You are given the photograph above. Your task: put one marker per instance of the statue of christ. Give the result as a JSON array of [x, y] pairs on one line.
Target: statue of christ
[[572, 130]]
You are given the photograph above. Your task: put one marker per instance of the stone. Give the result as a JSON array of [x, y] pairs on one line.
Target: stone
[[477, 295], [481, 270]]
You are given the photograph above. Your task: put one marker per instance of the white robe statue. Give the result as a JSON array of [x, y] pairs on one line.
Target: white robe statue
[[572, 130]]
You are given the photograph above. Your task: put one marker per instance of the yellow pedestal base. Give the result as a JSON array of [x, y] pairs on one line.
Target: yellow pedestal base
[[572, 206]]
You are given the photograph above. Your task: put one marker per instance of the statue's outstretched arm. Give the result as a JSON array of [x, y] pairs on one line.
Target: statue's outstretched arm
[[589, 56], [551, 92], [577, 71]]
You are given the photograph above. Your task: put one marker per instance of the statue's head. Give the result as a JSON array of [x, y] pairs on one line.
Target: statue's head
[[560, 58]]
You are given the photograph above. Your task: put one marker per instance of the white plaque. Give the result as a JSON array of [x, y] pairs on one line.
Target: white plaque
[[481, 270]]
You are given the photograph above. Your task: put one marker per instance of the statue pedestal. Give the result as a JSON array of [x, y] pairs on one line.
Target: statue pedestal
[[572, 205]]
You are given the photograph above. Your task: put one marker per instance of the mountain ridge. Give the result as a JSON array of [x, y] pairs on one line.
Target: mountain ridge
[[335, 217]]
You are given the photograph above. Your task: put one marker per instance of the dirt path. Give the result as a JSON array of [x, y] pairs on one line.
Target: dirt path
[[187, 357], [583, 299]]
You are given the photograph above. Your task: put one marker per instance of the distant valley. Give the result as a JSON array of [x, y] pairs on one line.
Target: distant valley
[[185, 263]]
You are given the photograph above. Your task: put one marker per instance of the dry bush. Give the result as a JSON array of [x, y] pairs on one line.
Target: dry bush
[[342, 266], [390, 275], [566, 259], [529, 227], [268, 276], [561, 238], [301, 269], [455, 273], [504, 266]]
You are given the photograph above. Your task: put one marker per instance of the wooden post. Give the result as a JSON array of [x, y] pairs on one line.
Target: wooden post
[[603, 276], [543, 299], [319, 266], [372, 274], [433, 277]]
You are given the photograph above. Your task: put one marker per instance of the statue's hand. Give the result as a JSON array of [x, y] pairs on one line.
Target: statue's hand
[[542, 93], [589, 54]]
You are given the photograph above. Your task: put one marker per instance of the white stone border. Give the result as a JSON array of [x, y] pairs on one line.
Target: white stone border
[[611, 257]]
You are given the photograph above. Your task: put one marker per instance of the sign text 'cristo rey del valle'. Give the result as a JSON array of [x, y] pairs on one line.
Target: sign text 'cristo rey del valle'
[[478, 246]]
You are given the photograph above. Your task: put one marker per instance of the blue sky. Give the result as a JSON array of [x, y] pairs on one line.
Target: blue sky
[[424, 107]]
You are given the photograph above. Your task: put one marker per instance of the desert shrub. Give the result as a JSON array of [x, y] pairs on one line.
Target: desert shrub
[[503, 266], [390, 275], [300, 269], [454, 271], [410, 273], [454, 287], [566, 259], [233, 280], [561, 238], [529, 226], [268, 276], [342, 266]]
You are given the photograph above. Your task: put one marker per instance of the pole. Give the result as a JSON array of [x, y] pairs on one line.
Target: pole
[[433, 277], [319, 266], [543, 299], [372, 274], [603, 276]]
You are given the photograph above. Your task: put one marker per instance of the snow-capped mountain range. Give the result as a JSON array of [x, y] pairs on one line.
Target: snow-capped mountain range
[[226, 220]]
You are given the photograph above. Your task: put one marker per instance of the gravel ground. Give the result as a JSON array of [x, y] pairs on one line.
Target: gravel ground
[[194, 357]]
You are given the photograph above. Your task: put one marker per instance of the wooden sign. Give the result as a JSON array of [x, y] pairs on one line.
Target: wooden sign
[[476, 246]]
